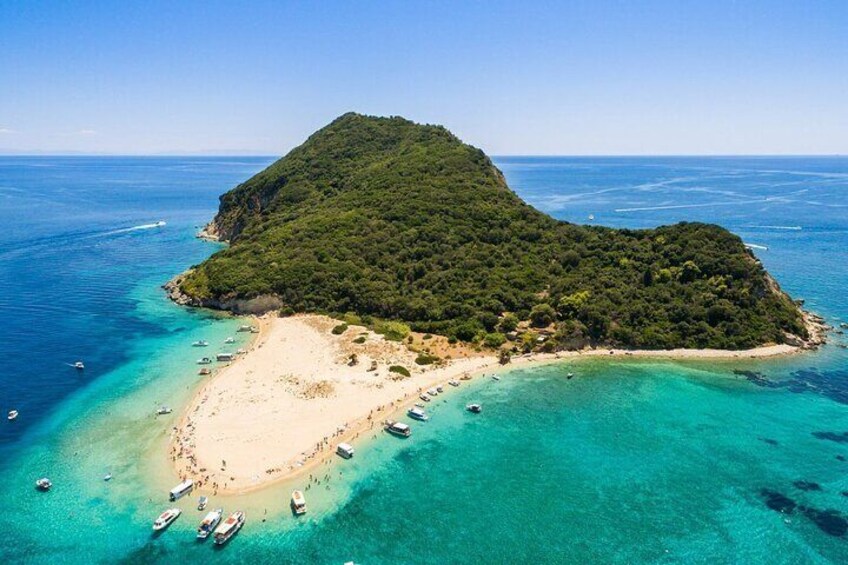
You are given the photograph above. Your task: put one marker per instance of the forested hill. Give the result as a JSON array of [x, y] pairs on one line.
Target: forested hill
[[396, 220]]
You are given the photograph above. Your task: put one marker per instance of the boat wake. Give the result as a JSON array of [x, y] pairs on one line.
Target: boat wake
[[158, 224], [794, 228], [755, 246]]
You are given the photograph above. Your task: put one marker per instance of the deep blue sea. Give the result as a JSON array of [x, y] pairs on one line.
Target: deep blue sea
[[632, 461]]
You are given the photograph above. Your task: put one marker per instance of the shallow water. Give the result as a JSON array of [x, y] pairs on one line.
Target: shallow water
[[630, 461]]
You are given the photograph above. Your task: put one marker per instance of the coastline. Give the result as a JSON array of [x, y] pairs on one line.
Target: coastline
[[281, 409]]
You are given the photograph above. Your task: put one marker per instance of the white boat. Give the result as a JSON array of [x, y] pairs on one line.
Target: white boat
[[230, 340], [209, 522], [475, 408], [225, 357], [570, 375], [163, 410], [432, 392], [166, 518], [591, 217], [79, 365], [205, 371], [398, 429], [201, 343], [204, 361], [12, 415], [229, 527], [440, 389], [159, 224], [298, 503], [453, 383], [495, 378], [181, 490], [418, 414], [202, 502], [425, 398], [107, 477], [345, 450], [245, 328], [43, 484]]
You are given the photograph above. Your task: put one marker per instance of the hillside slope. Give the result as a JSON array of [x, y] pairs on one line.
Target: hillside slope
[[385, 217]]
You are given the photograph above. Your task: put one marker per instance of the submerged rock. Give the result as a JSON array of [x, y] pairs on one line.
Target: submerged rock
[[832, 436], [777, 501], [807, 485], [829, 521]]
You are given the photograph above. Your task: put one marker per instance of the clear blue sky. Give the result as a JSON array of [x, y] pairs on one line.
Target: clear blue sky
[[593, 77]]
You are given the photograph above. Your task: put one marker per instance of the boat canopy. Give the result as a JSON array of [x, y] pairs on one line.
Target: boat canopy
[[182, 488]]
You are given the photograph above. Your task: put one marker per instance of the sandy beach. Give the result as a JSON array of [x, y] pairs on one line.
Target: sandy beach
[[284, 405]]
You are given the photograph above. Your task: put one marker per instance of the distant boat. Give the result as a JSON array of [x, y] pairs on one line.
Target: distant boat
[[570, 375], [591, 217], [453, 383], [204, 371], [440, 389], [225, 357], [166, 518], [245, 328], [433, 392], [79, 365], [418, 414], [204, 361], [495, 378], [163, 410], [298, 503], [229, 527], [425, 398], [12, 415], [107, 477], [43, 484], [201, 343], [181, 490], [207, 526], [398, 429], [345, 450], [159, 224], [230, 340], [475, 408], [202, 502]]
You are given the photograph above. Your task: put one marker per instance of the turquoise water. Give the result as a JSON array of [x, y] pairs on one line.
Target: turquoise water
[[631, 461]]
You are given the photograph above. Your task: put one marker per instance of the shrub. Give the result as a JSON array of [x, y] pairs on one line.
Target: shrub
[[394, 331], [426, 359], [360, 339], [494, 340], [399, 369], [542, 315], [340, 329]]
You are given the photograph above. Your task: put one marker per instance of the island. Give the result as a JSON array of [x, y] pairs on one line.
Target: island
[[383, 258]]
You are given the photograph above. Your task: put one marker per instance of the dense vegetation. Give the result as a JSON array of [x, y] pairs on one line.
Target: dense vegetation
[[400, 221]]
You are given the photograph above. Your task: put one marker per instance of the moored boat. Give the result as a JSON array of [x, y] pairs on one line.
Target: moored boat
[[230, 340], [425, 398], [398, 428], [202, 502], [245, 328], [417, 414], [440, 388], [433, 392], [453, 383], [225, 357], [166, 518], [205, 371], [204, 361], [298, 503], [475, 408], [43, 483], [345, 450], [200, 343], [12, 415], [229, 527], [181, 490], [209, 523], [163, 410]]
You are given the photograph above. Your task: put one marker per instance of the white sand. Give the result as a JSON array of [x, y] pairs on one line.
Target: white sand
[[284, 406]]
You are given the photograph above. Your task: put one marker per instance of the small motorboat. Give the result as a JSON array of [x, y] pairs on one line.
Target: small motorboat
[[43, 484], [570, 375], [474, 408], [79, 366], [163, 410], [345, 450], [201, 343], [417, 414], [107, 477], [398, 429], [419, 405], [433, 392], [298, 503], [495, 378], [205, 371], [12, 415], [159, 224], [440, 389], [210, 521], [202, 502], [166, 518], [204, 361], [453, 383], [245, 328], [230, 340], [425, 398]]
